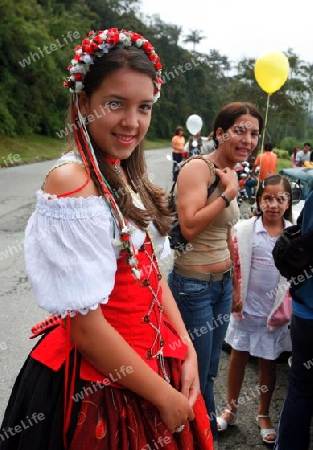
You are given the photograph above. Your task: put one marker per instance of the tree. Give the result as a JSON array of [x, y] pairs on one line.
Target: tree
[[194, 37]]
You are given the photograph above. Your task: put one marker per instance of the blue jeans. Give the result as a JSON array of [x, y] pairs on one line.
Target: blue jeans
[[296, 415], [177, 159], [249, 184], [205, 309]]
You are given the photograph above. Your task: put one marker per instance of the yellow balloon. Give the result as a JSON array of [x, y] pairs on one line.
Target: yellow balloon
[[271, 71]]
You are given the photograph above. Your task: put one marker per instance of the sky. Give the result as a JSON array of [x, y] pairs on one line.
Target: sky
[[240, 29]]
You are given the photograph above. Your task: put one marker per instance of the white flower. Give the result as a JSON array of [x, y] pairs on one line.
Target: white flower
[[126, 230], [132, 261], [136, 273], [116, 242], [78, 86], [79, 68], [139, 43], [156, 96], [125, 40], [105, 48], [87, 59], [104, 35]]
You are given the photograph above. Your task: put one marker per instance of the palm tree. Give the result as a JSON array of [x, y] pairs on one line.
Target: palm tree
[[195, 37]]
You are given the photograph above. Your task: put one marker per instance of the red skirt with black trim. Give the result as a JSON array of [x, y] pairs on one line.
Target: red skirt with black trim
[[102, 417]]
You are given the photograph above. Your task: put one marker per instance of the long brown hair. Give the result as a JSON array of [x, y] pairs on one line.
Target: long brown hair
[[151, 195]]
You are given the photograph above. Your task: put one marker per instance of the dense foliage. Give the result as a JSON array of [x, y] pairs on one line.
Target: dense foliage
[[37, 40]]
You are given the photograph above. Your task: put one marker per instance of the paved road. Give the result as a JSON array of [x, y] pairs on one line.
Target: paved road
[[19, 311]]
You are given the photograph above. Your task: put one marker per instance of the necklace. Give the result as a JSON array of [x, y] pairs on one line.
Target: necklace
[[116, 165]]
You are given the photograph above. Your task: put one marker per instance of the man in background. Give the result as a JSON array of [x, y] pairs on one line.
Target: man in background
[[267, 162], [303, 155]]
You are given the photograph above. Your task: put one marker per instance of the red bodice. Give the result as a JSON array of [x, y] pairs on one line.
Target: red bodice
[[135, 310]]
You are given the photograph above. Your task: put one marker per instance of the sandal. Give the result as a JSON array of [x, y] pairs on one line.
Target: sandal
[[265, 432], [222, 424]]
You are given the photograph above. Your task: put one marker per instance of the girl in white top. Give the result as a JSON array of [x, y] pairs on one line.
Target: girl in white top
[[262, 295], [111, 371]]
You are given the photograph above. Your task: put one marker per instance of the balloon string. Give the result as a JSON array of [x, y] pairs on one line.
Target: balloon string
[[265, 122], [263, 135]]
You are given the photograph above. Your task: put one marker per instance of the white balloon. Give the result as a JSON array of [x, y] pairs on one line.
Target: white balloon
[[194, 124]]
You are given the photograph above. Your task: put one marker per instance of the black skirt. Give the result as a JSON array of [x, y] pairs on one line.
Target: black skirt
[[34, 416]]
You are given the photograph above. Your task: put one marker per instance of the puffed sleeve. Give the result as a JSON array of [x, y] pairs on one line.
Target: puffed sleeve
[[69, 256]]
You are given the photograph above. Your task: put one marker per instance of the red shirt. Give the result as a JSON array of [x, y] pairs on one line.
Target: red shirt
[[268, 163]]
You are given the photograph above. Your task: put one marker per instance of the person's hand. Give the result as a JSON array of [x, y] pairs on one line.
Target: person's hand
[[229, 180], [175, 410], [237, 302], [190, 384]]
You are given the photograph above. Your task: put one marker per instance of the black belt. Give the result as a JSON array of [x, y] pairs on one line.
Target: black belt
[[208, 277]]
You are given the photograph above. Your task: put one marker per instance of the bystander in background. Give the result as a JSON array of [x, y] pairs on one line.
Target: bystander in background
[[178, 144], [303, 155], [267, 163]]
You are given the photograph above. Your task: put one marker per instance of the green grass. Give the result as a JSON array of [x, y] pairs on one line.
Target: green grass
[[283, 164], [149, 145], [23, 150], [15, 151]]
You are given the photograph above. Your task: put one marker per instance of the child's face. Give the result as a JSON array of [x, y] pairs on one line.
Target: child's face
[[274, 202]]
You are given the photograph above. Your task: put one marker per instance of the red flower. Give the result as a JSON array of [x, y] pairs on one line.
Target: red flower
[[159, 80], [113, 39], [91, 33], [112, 30], [78, 47], [78, 57], [78, 77], [88, 49], [98, 40], [148, 48], [94, 47], [125, 237], [68, 83], [85, 41], [135, 37], [158, 66], [152, 57]]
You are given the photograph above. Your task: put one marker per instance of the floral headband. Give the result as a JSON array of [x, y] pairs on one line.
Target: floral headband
[[101, 42]]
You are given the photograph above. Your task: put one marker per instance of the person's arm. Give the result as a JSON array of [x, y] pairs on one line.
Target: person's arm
[[233, 248], [192, 191], [189, 378]]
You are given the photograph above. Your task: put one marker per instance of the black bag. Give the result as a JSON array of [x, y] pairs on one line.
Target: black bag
[[293, 252], [176, 238]]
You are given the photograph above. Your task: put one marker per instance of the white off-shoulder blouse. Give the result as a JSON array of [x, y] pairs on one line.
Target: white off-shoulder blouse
[[71, 251]]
